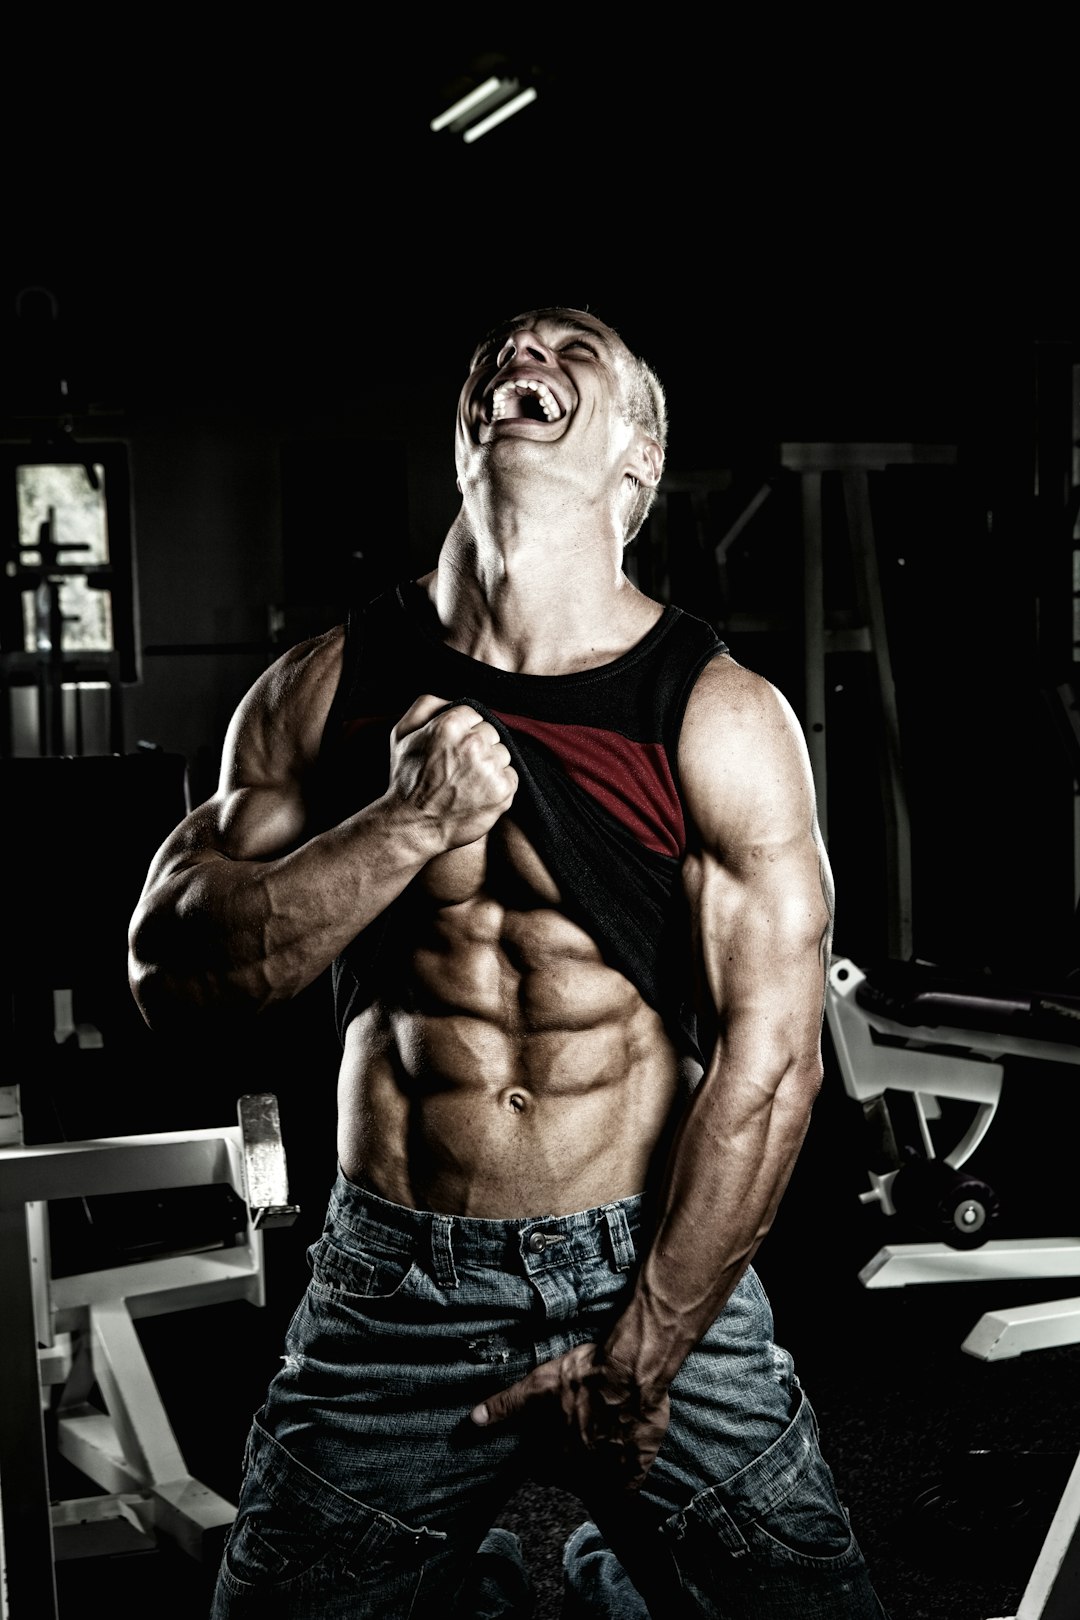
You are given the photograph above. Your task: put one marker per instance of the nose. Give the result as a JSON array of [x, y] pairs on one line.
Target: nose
[[524, 345]]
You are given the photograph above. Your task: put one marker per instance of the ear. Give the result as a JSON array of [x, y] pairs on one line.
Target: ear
[[646, 460]]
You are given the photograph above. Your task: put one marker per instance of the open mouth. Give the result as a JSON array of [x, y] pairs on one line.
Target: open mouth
[[523, 399]]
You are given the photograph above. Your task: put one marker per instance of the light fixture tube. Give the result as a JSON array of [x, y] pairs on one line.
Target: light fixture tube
[[483, 92], [474, 132]]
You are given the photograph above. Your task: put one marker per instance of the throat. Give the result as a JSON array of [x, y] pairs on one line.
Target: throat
[[535, 596], [548, 620]]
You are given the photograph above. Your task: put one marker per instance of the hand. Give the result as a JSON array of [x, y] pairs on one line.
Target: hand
[[591, 1413], [450, 769]]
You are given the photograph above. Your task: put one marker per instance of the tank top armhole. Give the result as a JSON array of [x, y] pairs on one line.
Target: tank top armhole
[[350, 663], [709, 646]]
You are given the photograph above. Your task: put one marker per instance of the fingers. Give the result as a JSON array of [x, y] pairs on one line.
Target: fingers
[[559, 1378], [477, 743], [508, 1402], [450, 770], [427, 706], [511, 779], [473, 732], [576, 1423], [461, 722], [424, 709]]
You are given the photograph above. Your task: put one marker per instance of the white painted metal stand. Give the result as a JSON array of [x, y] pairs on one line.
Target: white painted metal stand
[[78, 1333], [1053, 1589], [932, 1064], [962, 1063]]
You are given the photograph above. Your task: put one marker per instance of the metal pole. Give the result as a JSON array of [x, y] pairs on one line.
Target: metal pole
[[814, 642]]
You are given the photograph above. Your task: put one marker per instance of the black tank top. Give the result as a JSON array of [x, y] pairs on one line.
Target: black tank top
[[596, 754]]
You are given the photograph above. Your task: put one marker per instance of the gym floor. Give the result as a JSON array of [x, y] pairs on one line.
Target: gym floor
[[950, 1467]]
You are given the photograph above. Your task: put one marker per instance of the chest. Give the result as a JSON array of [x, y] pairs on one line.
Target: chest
[[503, 867]]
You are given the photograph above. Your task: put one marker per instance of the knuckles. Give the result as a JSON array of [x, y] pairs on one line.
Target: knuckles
[[455, 759], [455, 722]]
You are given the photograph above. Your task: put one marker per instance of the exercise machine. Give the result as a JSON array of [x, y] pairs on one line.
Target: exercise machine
[[63, 1339], [911, 1033]]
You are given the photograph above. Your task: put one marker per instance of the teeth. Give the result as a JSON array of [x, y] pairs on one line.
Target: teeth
[[545, 398]]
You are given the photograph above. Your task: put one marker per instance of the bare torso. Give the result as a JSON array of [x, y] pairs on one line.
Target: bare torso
[[516, 1074]]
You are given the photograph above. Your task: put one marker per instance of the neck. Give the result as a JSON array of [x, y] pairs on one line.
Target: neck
[[537, 597]]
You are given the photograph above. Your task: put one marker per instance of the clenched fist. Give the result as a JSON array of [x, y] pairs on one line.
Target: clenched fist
[[451, 771]]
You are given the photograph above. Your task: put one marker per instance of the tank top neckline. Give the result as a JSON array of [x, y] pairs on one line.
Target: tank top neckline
[[416, 606]]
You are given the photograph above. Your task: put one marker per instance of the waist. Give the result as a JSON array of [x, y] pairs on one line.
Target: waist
[[443, 1119], [494, 1244]]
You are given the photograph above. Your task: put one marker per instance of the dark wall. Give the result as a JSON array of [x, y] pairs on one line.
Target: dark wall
[[265, 274]]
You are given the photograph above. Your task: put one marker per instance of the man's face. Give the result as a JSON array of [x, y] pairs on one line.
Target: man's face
[[547, 388]]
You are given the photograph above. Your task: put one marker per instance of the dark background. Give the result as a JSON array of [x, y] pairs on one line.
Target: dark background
[[265, 274]]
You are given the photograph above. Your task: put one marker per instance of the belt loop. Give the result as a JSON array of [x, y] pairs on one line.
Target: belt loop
[[622, 1243], [708, 1513], [442, 1253]]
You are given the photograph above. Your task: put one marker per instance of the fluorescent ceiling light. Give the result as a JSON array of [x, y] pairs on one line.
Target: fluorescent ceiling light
[[474, 132], [482, 93]]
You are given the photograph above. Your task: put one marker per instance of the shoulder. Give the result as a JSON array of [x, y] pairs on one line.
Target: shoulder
[[742, 754], [731, 703], [307, 673], [284, 712]]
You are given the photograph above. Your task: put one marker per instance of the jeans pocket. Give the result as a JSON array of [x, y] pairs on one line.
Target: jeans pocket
[[782, 1509], [294, 1531], [267, 1548], [363, 1275], [810, 1525]]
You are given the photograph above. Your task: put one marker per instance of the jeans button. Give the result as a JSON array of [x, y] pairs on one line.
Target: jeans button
[[537, 1242]]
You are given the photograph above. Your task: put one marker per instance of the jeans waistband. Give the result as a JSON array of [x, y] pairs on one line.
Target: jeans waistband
[[607, 1229]]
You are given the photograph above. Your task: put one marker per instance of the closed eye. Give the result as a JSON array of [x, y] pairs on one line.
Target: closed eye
[[581, 343]]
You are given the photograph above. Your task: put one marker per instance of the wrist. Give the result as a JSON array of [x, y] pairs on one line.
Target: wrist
[[638, 1356], [416, 837]]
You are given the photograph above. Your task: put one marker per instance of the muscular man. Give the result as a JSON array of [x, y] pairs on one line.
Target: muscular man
[[561, 851]]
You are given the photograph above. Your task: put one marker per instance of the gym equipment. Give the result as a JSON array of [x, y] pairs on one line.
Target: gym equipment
[[912, 1034], [76, 1333], [100, 1227], [934, 1194]]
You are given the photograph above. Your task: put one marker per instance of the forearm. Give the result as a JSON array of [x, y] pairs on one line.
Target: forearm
[[727, 1172], [222, 933], [730, 1163]]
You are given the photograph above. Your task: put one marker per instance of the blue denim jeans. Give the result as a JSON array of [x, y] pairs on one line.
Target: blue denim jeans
[[367, 1490]]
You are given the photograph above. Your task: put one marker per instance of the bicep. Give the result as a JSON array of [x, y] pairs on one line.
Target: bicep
[[763, 938], [246, 822], [260, 808]]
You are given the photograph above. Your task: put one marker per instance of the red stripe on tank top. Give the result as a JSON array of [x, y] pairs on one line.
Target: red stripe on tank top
[[632, 780]]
